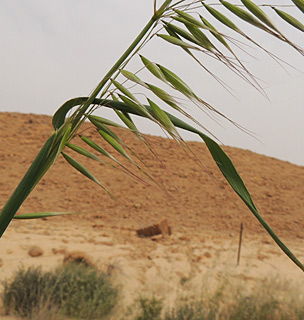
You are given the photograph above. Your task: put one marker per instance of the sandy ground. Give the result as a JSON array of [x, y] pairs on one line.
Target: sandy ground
[[202, 210]]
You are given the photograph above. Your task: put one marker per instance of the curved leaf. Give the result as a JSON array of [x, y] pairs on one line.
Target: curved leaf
[[223, 162], [233, 178], [60, 115]]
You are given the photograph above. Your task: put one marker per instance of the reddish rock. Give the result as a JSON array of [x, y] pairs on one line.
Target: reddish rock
[[35, 251], [162, 228]]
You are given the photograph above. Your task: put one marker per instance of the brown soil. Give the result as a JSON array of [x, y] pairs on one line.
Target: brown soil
[[202, 210]]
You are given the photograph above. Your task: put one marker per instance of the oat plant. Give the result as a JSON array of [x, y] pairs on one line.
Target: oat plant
[[189, 26]]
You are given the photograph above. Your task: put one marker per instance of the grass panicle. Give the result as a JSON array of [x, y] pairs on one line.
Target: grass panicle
[[194, 42]]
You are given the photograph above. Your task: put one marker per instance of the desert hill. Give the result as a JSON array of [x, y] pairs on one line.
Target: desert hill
[[200, 200], [203, 211]]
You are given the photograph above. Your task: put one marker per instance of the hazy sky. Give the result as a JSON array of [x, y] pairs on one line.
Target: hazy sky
[[52, 51]]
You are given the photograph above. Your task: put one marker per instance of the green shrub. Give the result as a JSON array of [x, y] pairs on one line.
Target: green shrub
[[251, 309], [84, 292], [150, 309], [25, 293], [73, 290], [191, 311], [269, 299]]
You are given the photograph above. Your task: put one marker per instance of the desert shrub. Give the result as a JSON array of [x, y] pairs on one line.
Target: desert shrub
[[244, 309], [189, 311], [73, 290], [150, 309], [84, 292], [27, 291], [269, 299], [252, 309]]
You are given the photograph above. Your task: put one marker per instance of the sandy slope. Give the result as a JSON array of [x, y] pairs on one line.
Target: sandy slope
[[203, 211]]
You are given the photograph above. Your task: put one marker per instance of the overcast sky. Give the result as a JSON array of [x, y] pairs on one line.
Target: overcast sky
[[52, 51]]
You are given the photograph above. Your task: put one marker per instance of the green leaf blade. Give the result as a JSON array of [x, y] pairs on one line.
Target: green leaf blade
[[60, 115], [33, 175], [39, 215]]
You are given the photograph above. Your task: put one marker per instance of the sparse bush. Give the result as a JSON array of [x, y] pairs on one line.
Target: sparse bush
[[269, 299], [27, 291], [252, 309], [73, 290], [244, 309], [190, 311], [84, 292], [150, 309], [81, 292]]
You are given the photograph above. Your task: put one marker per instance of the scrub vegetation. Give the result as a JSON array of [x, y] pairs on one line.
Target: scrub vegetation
[[81, 292], [73, 290]]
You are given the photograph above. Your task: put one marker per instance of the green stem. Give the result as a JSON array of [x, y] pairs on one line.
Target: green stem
[[76, 118], [162, 9], [124, 56], [121, 60], [157, 15]]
